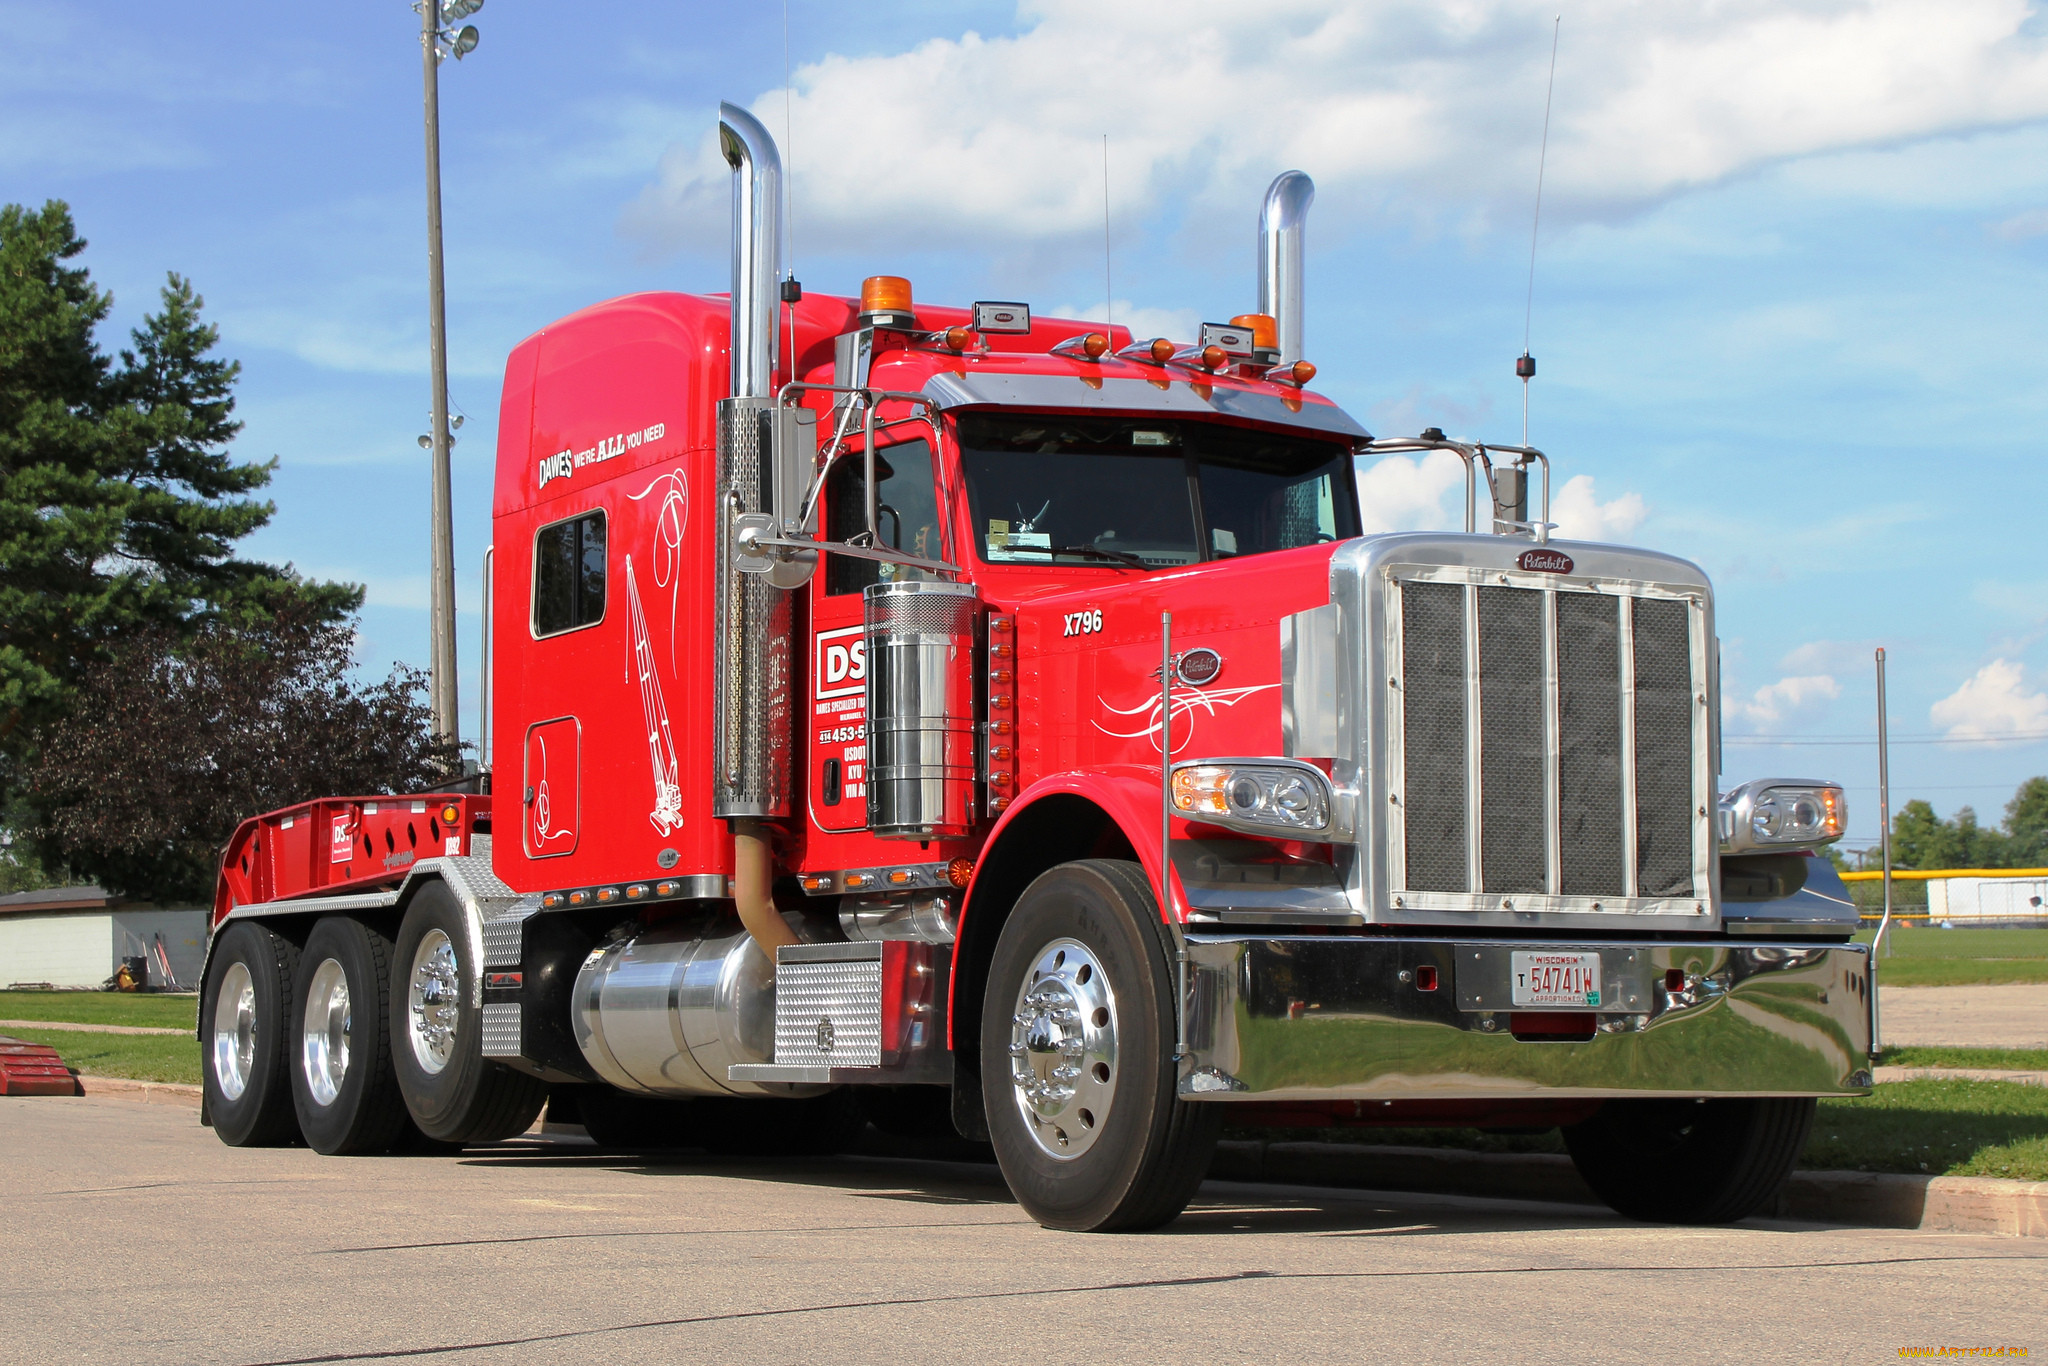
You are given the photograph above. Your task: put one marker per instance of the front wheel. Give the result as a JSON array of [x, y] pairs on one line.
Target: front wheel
[[453, 1092], [1077, 1056], [1690, 1161]]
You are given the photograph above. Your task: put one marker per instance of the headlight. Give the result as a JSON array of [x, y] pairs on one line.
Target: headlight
[[1262, 796], [1781, 814]]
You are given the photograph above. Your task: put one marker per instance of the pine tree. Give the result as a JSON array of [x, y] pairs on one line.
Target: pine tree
[[120, 506]]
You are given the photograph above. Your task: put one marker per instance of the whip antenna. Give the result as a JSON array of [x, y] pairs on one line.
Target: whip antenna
[[1108, 297], [1525, 364]]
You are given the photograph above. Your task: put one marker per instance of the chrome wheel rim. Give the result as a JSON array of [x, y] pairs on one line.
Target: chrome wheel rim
[[234, 1031], [324, 1053], [434, 1001], [1063, 1055]]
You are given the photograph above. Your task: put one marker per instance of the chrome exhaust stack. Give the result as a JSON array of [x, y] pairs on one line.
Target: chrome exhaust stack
[[1283, 218], [755, 643]]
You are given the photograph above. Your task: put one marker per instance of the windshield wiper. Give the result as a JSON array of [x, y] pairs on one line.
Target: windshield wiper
[[1117, 555]]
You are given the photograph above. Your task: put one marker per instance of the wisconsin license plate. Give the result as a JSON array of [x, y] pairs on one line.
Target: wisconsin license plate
[[1554, 981]]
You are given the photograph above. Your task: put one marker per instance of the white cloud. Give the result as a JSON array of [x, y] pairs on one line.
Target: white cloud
[[1581, 516], [1437, 103], [1993, 702], [1795, 698], [1400, 494], [1178, 324]]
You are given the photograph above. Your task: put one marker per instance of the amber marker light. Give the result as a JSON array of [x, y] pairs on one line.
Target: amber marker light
[[1265, 330], [1200, 790], [856, 881], [959, 338], [1093, 345], [901, 877], [1214, 357], [885, 294], [817, 884], [636, 891], [667, 888], [1000, 623], [1301, 372], [960, 871], [450, 814], [1162, 350]]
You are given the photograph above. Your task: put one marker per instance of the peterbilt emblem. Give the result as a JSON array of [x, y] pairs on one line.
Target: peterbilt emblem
[[1545, 561], [1198, 668]]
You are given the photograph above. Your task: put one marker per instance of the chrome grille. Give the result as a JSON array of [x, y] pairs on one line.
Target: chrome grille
[[1550, 744], [1664, 712], [1433, 717]]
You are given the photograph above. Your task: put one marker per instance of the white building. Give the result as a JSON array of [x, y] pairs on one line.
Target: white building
[[1977, 900], [77, 937]]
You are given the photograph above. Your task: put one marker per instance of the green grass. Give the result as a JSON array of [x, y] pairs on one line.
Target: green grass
[[102, 1007], [140, 1057], [1919, 957], [1940, 1128], [1937, 1128], [2008, 1059]]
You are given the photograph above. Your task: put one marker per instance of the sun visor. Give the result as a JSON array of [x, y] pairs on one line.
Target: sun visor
[[1179, 399]]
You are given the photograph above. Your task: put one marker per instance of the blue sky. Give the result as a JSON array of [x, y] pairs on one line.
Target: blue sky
[[1787, 307]]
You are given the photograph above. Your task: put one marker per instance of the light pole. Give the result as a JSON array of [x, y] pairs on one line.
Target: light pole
[[436, 42]]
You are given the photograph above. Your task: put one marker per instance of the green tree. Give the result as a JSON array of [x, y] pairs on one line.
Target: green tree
[[119, 503], [175, 741]]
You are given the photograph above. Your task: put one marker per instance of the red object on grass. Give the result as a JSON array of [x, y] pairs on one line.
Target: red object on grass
[[34, 1069]]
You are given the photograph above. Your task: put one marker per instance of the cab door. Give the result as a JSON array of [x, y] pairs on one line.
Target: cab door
[[909, 521]]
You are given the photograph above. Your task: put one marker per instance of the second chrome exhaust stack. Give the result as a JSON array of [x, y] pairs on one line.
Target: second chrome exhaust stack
[[1283, 218]]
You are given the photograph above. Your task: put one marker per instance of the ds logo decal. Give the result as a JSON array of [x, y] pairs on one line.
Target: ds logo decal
[[841, 666]]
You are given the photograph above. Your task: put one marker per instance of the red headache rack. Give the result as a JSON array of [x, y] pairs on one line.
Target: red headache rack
[[343, 844]]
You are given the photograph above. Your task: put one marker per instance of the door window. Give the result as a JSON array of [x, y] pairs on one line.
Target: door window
[[907, 520]]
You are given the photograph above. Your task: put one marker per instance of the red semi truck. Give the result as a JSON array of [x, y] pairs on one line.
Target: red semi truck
[[959, 717]]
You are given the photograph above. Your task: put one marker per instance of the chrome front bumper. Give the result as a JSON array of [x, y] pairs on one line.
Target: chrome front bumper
[[1314, 1017]]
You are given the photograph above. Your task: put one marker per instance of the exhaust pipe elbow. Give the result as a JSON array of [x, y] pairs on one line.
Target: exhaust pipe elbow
[[753, 876], [756, 248], [1283, 219]]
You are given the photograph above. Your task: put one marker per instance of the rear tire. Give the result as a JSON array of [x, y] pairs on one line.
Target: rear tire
[[343, 1087], [1688, 1161], [454, 1094], [1077, 1056], [244, 1035]]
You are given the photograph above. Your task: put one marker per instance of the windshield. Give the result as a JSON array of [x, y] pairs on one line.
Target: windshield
[[1147, 493]]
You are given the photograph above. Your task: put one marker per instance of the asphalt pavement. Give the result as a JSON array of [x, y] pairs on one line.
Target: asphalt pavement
[[130, 1234]]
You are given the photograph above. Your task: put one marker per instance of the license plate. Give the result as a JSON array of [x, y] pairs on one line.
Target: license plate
[[1554, 981]]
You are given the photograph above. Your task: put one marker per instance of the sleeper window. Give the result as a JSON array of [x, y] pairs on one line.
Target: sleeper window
[[568, 575]]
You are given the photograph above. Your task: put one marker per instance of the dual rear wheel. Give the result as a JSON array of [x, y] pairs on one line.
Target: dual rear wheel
[[355, 1042]]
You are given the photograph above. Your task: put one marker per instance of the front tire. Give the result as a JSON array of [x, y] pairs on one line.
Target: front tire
[[343, 1087], [244, 1032], [1077, 1056], [452, 1091], [1690, 1161]]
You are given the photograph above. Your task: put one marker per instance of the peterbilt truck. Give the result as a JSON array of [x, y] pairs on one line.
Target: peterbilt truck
[[960, 718]]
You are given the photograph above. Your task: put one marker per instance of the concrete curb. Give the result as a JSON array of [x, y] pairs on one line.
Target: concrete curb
[[1885, 1074], [147, 1092], [1930, 1204]]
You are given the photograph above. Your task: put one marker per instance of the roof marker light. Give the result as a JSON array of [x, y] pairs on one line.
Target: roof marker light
[[1088, 346], [959, 338]]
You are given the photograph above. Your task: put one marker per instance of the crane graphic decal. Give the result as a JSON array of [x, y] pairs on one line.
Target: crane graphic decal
[[667, 814], [1187, 701], [670, 518]]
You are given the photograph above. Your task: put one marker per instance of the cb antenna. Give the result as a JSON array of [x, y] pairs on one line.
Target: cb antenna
[[1525, 364]]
